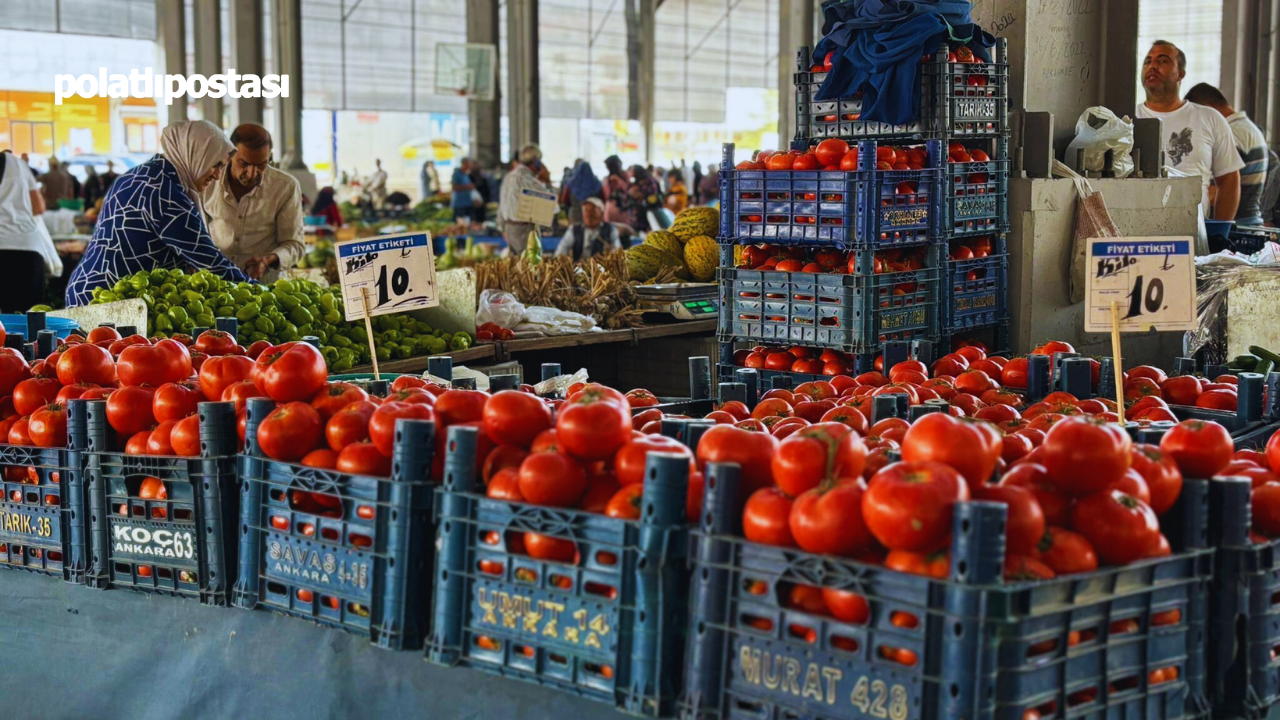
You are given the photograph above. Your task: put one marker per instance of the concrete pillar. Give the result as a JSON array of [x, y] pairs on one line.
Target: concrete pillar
[[1119, 65], [1231, 10], [171, 22], [795, 30], [207, 22], [486, 115], [648, 28], [246, 56], [287, 16], [523, 103]]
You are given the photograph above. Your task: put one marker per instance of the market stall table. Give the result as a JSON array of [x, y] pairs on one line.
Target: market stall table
[[85, 653]]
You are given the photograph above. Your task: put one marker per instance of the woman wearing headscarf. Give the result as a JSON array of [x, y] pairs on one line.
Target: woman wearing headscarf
[[616, 185], [645, 195], [582, 184], [327, 208], [151, 215]]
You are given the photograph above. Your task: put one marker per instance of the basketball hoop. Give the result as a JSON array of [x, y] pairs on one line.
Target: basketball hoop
[[466, 70]]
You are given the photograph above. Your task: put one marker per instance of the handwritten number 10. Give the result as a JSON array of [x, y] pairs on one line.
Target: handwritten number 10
[[399, 283], [1153, 299]]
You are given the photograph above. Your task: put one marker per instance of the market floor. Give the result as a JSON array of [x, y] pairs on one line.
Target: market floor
[[77, 652]]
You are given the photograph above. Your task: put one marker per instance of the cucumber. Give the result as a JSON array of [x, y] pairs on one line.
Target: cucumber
[[1264, 368], [1244, 362], [1266, 356]]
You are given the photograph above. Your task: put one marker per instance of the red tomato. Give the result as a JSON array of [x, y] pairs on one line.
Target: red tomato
[[625, 503], [334, 396], [1025, 524], [751, 451], [184, 438], [831, 151], [99, 334], [501, 458], [1200, 448], [165, 362], [349, 425], [322, 458], [515, 418], [290, 372], [601, 488], [552, 479], [1132, 484], [1181, 390], [1273, 453], [33, 393], [13, 370], [935, 565], [1024, 568], [214, 343], [1266, 510], [629, 462], [1067, 552], [174, 401], [1217, 400], [907, 505], [459, 406], [68, 392], [291, 431], [86, 364], [847, 416], [48, 426], [1055, 504], [996, 414], [828, 519], [382, 423], [975, 382], [362, 458], [891, 428], [219, 373], [641, 398], [505, 485], [1085, 455], [129, 410], [971, 447], [821, 452], [1152, 373], [593, 427], [240, 392], [1120, 528], [847, 606], [160, 441], [970, 404], [1014, 373], [1140, 387], [1158, 469], [552, 549], [137, 444], [1015, 447], [766, 518]]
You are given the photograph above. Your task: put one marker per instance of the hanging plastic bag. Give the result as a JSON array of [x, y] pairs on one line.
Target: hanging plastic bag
[[1097, 131], [500, 308], [559, 384], [1092, 221]]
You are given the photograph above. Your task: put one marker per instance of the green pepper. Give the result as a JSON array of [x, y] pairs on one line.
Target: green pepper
[[139, 283], [163, 323], [342, 365], [401, 352], [383, 354], [340, 340], [226, 311], [264, 324], [330, 354], [300, 316], [256, 336], [195, 307], [460, 342], [358, 335], [204, 319], [287, 301], [248, 312], [284, 285], [241, 295], [333, 317], [178, 314], [390, 336], [437, 346], [168, 287]]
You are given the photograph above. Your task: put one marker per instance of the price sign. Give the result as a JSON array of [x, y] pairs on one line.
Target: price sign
[[1152, 281], [536, 207], [393, 273]]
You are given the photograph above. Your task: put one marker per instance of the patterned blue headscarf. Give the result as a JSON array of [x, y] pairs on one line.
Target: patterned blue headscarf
[[584, 183]]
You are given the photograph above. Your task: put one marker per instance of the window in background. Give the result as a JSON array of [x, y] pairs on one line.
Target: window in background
[[1195, 26]]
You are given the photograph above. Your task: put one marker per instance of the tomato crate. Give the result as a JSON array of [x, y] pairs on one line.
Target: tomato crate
[[42, 511], [976, 193], [970, 646], [1244, 632], [350, 552], [608, 626], [994, 337], [1249, 423], [955, 100], [863, 208], [851, 313], [975, 292], [177, 536]]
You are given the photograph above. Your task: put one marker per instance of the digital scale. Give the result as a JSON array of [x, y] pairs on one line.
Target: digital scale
[[683, 301]]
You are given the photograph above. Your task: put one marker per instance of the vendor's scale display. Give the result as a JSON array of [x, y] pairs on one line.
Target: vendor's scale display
[[683, 301]]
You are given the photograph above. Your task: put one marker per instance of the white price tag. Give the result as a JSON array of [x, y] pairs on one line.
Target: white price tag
[[536, 207], [1152, 280], [397, 272]]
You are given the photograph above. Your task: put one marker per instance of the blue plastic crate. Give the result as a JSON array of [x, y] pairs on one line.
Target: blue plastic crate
[[982, 648], [956, 100], [1249, 239], [18, 324], [608, 627], [346, 551], [182, 546], [844, 209], [42, 518], [1244, 625], [975, 293], [976, 198], [994, 336]]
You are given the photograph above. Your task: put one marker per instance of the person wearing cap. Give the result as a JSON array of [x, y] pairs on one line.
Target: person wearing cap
[[527, 173], [592, 236]]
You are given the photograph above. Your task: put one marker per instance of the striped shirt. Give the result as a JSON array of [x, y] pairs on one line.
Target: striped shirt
[[1252, 146]]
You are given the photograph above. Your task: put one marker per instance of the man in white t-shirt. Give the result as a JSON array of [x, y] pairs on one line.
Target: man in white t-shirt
[[1197, 139]]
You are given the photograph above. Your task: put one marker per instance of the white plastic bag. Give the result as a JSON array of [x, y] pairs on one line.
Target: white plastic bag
[[1097, 131], [553, 321], [499, 307], [560, 383]]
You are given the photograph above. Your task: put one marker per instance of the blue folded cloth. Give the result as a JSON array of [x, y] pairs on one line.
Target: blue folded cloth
[[878, 46]]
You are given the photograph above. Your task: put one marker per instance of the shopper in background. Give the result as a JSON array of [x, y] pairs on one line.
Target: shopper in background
[[1251, 145], [590, 236], [677, 193], [378, 184], [109, 177], [696, 183], [645, 195], [660, 175], [26, 250], [429, 180], [254, 210], [1198, 140], [528, 173], [464, 191], [56, 184], [151, 216], [582, 186], [327, 207], [484, 188], [93, 190], [616, 188]]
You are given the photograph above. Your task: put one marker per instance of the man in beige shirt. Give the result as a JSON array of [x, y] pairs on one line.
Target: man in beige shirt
[[254, 210]]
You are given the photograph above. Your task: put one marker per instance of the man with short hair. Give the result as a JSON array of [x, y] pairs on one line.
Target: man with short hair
[[1251, 144], [1198, 140], [592, 236], [255, 211], [527, 173], [461, 201], [378, 184]]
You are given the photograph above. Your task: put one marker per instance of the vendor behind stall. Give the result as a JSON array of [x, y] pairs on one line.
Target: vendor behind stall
[[591, 236], [151, 216], [254, 210]]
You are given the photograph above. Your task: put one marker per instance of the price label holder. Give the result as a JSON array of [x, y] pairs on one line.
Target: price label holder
[[385, 275], [1139, 284], [536, 207]]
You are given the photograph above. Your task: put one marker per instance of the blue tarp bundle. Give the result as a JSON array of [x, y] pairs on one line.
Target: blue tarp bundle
[[878, 48]]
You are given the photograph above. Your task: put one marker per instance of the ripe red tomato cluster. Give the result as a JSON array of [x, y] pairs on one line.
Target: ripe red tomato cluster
[[957, 152], [829, 260], [1264, 474], [834, 154], [971, 248], [489, 332], [1155, 391]]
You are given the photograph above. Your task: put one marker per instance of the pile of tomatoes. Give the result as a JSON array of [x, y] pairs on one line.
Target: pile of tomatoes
[[835, 154], [971, 248], [795, 258], [1150, 387]]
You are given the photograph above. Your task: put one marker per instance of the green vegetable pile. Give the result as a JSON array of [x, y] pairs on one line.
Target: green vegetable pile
[[286, 310]]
